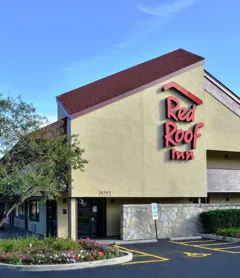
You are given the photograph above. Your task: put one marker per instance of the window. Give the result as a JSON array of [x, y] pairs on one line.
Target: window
[[21, 211], [34, 210], [205, 200]]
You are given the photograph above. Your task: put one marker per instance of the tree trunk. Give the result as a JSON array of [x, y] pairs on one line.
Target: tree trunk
[[6, 214], [15, 204], [2, 221]]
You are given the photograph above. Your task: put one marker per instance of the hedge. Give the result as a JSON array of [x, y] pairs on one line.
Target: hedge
[[219, 219], [228, 232]]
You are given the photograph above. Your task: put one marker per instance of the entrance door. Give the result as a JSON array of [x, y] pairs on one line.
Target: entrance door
[[51, 218], [91, 217]]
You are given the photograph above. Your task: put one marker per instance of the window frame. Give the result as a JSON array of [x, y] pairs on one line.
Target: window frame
[[34, 216], [21, 211]]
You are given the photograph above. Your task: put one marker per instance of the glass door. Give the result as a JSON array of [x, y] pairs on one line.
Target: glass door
[[91, 214], [51, 218]]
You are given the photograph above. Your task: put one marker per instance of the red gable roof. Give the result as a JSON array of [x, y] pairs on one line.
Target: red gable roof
[[124, 81], [48, 131]]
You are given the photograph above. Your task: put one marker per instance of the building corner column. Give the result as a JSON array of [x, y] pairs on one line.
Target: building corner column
[[72, 218]]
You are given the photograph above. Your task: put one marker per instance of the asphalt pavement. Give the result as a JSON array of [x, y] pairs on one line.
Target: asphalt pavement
[[165, 259]]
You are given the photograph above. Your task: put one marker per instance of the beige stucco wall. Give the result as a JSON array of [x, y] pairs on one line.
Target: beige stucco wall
[[124, 146], [217, 160], [62, 219], [222, 128], [219, 198]]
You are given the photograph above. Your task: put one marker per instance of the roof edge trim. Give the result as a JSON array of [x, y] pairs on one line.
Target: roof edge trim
[[222, 87], [64, 110]]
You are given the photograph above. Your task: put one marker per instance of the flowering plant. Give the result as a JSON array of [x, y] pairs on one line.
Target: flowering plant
[[49, 252]]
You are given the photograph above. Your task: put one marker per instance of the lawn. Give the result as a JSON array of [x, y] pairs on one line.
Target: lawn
[[32, 251]]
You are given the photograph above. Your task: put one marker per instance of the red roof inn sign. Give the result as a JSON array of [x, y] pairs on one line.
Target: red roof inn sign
[[174, 113]]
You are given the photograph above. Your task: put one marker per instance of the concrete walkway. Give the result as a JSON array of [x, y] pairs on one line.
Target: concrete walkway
[[13, 232]]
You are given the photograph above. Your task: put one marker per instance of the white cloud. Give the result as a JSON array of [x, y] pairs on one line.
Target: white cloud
[[165, 10], [158, 14], [155, 14]]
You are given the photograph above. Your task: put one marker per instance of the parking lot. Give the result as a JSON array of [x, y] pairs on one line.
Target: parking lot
[[140, 257], [212, 245], [173, 259]]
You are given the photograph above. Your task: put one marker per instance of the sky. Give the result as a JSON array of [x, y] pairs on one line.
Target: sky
[[50, 47]]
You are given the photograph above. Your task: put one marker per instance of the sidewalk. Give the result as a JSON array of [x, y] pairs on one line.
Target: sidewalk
[[13, 232], [117, 241]]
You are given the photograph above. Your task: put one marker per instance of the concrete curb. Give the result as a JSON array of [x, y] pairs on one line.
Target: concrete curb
[[210, 236], [125, 242], [61, 267], [186, 238]]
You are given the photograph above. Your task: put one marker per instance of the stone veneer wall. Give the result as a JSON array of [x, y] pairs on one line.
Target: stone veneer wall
[[173, 220]]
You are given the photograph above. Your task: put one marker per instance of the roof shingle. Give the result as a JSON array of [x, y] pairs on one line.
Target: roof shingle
[[124, 81]]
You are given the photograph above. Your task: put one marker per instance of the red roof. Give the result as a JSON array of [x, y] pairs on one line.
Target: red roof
[[124, 81], [47, 131]]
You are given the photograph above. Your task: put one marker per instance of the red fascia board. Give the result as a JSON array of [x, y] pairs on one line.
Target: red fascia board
[[183, 91]]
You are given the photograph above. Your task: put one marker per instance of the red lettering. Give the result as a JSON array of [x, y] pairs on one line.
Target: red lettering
[[170, 129], [179, 135], [180, 155], [191, 114], [170, 109], [189, 155], [173, 151], [181, 112], [177, 155], [174, 136], [196, 134], [188, 136]]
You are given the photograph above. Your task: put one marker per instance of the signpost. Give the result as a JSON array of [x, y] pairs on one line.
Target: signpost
[[155, 216]]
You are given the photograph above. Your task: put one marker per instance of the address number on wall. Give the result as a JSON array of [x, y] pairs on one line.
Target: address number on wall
[[105, 192]]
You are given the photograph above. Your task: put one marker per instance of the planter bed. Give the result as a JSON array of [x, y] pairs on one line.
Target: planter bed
[[55, 252]]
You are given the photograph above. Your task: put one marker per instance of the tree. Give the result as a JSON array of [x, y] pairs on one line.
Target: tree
[[35, 159]]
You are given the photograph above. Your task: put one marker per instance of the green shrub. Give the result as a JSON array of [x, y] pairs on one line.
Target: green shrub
[[64, 244], [221, 218], [228, 232], [19, 244], [23, 244]]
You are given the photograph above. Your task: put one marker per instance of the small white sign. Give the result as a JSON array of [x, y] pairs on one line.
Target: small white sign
[[94, 209], [154, 211]]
